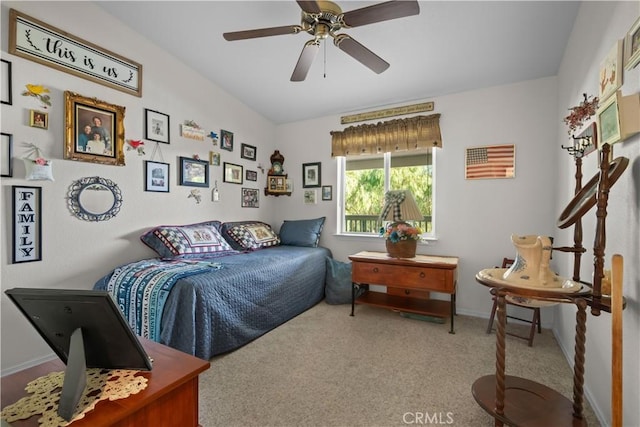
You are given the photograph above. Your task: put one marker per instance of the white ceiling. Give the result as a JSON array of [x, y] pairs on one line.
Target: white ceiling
[[450, 47]]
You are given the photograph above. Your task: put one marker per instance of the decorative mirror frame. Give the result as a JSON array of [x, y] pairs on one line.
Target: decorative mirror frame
[[76, 189]]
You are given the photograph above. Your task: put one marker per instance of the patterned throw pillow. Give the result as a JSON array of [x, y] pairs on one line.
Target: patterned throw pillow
[[195, 240], [251, 235]]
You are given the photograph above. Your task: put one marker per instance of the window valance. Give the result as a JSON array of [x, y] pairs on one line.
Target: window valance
[[413, 133]]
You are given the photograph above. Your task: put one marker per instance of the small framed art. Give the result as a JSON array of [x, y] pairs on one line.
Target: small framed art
[[156, 126], [248, 151], [6, 154], [232, 173], [608, 118], [250, 198], [277, 183], [226, 142], [156, 176], [251, 175], [6, 89], [194, 172], [632, 46], [214, 158], [310, 197], [327, 192], [311, 175], [38, 119], [27, 229], [610, 78]]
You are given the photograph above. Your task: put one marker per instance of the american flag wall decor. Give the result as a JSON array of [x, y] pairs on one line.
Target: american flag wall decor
[[490, 161]]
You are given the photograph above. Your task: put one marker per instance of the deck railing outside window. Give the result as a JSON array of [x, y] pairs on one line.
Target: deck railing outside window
[[371, 224]]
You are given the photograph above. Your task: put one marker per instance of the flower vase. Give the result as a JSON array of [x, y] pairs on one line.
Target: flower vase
[[402, 248]]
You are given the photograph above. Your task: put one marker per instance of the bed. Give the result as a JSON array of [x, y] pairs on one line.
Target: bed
[[217, 286]]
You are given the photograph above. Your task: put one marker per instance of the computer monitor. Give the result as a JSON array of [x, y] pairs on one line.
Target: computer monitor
[[86, 329]]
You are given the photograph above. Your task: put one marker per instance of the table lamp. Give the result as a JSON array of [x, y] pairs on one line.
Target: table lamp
[[401, 237]]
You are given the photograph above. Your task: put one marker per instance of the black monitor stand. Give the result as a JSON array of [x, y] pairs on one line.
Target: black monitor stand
[[75, 377]]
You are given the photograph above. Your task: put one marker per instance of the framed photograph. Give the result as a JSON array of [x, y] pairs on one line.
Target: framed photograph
[[214, 158], [6, 89], [587, 140], [27, 228], [311, 175], [250, 198], [156, 126], [38, 119], [193, 172], [6, 154], [251, 175], [248, 151], [156, 176], [610, 78], [226, 141], [631, 46], [94, 130], [309, 197], [277, 183], [490, 162], [327, 192], [232, 173], [608, 120]]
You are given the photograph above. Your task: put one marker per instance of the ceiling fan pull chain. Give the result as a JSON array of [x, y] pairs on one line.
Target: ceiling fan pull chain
[[325, 60]]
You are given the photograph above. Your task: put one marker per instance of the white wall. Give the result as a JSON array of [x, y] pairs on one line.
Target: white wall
[[76, 253], [597, 27], [475, 219]]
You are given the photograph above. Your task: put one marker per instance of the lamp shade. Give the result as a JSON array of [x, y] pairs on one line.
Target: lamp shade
[[399, 205]]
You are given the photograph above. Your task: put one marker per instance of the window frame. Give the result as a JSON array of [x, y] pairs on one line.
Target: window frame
[[341, 188]]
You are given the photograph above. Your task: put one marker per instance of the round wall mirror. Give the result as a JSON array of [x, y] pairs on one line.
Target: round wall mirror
[[94, 198], [585, 199]]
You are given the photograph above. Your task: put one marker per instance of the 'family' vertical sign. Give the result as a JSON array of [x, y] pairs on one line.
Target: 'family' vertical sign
[[27, 224]]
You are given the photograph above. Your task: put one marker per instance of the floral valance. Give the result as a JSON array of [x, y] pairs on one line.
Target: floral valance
[[414, 133]]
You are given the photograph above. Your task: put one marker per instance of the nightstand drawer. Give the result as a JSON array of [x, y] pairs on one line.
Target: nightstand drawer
[[409, 293], [401, 276]]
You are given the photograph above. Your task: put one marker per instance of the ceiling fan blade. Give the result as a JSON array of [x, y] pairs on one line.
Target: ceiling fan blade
[[360, 53], [381, 12], [262, 32], [308, 54], [310, 6]]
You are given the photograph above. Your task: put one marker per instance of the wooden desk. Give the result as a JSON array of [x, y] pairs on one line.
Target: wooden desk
[[170, 399], [408, 282]]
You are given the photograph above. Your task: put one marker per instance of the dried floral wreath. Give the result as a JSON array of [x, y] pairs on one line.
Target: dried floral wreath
[[581, 113]]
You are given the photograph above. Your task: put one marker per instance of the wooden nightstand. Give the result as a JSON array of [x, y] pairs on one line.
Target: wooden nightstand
[[408, 282]]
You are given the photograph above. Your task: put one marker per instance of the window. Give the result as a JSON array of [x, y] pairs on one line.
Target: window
[[365, 180]]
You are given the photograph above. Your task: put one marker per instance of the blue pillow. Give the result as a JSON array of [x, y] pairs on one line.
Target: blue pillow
[[303, 232]]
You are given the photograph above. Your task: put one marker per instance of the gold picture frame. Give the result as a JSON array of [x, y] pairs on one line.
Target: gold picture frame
[[94, 130], [38, 119]]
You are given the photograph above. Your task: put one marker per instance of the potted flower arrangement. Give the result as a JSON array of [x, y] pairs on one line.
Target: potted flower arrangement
[[401, 239]]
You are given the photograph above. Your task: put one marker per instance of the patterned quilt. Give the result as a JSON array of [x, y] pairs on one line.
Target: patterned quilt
[[141, 289], [210, 311]]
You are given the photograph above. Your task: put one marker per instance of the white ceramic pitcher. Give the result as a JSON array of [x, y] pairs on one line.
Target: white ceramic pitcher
[[531, 265]]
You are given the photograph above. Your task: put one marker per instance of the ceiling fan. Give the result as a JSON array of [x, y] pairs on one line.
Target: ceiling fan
[[322, 19]]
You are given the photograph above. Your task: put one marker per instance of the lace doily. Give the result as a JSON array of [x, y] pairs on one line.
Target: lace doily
[[102, 384]]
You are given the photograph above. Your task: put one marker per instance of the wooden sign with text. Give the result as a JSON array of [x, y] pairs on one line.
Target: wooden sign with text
[[33, 39]]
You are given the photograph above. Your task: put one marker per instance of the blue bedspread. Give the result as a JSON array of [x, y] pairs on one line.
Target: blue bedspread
[[217, 311]]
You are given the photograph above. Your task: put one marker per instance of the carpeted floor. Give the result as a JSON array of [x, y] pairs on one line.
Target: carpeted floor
[[326, 368]]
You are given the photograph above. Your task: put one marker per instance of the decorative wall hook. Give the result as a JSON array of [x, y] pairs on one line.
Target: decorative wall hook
[[578, 147]]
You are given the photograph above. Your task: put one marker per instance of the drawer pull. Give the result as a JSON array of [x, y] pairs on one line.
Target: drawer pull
[[422, 275], [375, 269], [407, 292]]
